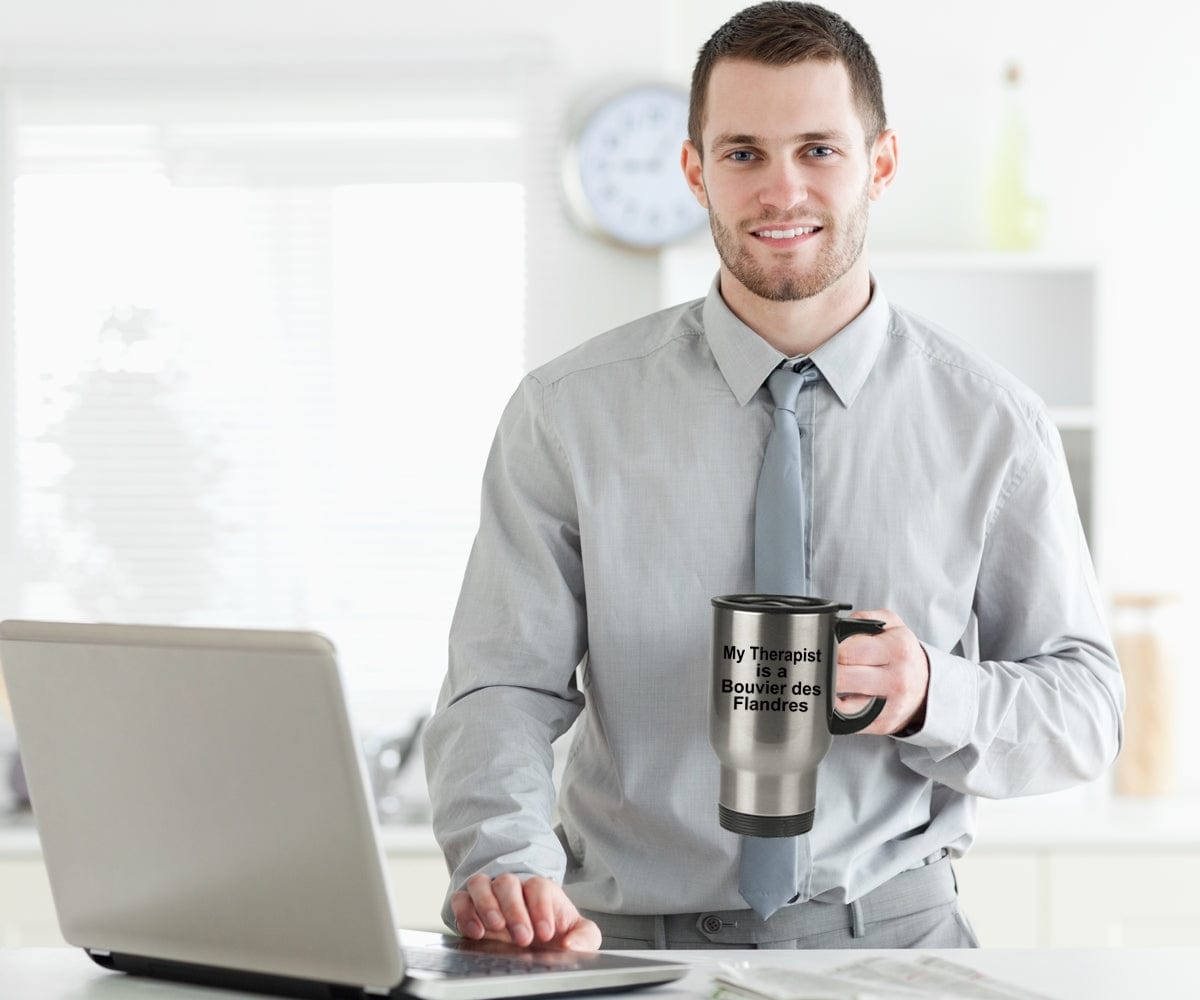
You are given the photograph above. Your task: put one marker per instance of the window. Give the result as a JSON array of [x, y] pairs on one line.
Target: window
[[260, 343]]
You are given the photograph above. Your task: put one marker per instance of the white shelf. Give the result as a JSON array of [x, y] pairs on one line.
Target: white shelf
[[1114, 823], [688, 267], [980, 260], [1074, 418]]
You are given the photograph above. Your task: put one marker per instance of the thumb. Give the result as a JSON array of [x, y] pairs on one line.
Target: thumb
[[584, 936]]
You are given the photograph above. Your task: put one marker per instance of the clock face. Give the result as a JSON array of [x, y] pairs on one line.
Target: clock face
[[622, 172]]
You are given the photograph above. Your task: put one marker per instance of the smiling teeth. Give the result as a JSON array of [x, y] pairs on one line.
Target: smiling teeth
[[787, 234]]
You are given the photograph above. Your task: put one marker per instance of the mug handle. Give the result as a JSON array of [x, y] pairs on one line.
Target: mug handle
[[844, 725]]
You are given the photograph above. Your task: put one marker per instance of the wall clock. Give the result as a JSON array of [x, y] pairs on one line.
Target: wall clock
[[621, 170]]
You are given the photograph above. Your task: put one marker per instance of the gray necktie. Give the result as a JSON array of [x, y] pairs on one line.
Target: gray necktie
[[767, 877]]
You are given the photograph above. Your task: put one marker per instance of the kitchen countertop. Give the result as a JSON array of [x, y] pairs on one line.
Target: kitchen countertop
[[1058, 973], [1033, 823]]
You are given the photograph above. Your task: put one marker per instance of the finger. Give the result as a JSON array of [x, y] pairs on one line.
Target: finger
[[584, 935], [571, 930], [468, 921], [889, 618], [511, 896], [541, 897], [479, 887], [852, 704], [864, 678], [868, 650]]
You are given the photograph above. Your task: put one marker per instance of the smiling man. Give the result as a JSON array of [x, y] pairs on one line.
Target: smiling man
[[623, 493], [788, 208]]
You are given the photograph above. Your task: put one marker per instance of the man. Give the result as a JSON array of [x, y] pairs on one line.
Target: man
[[620, 497]]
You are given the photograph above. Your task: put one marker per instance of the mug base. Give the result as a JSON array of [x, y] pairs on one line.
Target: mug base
[[765, 826]]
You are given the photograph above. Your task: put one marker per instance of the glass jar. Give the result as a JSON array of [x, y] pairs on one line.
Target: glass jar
[[1142, 636]]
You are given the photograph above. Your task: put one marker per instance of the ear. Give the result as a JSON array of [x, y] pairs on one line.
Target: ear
[[693, 172], [884, 162]]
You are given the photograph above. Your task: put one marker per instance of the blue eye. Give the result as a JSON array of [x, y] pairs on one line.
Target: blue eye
[[821, 152], [741, 156]]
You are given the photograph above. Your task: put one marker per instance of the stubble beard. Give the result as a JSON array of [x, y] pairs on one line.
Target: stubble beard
[[783, 282]]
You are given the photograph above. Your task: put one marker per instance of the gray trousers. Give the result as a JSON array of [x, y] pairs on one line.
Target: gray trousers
[[916, 909]]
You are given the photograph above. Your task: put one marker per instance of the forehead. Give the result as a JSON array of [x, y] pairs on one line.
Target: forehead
[[776, 102]]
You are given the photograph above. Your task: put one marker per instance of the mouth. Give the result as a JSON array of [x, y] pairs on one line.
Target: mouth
[[782, 238]]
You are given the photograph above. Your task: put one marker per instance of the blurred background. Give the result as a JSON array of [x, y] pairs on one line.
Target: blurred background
[[270, 269]]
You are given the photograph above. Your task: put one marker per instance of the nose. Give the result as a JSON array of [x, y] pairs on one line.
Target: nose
[[783, 185]]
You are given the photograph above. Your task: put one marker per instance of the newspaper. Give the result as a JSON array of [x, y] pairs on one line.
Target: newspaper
[[879, 978]]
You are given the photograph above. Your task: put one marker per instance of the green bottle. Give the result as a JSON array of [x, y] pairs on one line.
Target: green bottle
[[1015, 218]]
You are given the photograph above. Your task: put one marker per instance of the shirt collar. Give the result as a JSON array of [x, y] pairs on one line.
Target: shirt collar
[[746, 359]]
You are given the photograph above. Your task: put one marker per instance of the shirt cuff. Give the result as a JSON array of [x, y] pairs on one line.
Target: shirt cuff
[[951, 703]]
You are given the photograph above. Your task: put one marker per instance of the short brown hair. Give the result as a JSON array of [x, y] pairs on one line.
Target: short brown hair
[[780, 33]]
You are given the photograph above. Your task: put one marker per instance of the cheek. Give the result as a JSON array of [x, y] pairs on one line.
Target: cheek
[[713, 196], [850, 192], [729, 195]]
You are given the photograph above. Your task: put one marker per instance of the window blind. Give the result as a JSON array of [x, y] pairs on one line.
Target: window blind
[[261, 338]]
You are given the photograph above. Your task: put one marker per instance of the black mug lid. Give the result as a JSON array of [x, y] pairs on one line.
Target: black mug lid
[[788, 604]]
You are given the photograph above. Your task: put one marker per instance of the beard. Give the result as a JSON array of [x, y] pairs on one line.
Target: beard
[[784, 281]]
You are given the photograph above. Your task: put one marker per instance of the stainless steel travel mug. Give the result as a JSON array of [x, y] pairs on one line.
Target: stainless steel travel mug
[[772, 710]]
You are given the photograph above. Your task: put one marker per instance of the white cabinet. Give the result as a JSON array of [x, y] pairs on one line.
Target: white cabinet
[[26, 907], [1121, 899], [1003, 896], [418, 881], [1071, 898], [1110, 873]]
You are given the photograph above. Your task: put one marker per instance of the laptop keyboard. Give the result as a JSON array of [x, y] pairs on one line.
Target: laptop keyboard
[[470, 963]]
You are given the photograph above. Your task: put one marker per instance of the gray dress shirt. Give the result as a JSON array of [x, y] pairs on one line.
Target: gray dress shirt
[[619, 498]]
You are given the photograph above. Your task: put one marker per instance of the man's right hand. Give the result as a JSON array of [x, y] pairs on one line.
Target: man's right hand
[[536, 910]]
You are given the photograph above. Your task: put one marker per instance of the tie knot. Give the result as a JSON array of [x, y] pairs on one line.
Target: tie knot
[[785, 385]]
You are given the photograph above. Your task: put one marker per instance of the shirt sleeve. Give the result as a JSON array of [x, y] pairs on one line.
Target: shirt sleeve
[[517, 635], [1043, 709]]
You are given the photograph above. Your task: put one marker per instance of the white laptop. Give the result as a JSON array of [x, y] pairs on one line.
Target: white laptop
[[204, 816]]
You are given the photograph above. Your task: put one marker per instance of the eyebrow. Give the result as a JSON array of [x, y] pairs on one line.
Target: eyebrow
[[744, 139]]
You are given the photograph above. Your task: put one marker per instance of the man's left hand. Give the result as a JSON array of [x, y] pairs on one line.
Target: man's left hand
[[892, 665]]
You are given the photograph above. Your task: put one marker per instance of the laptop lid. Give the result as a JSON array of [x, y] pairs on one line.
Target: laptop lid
[[200, 797], [204, 815]]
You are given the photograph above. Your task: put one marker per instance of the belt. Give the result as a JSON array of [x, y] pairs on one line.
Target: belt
[[909, 892]]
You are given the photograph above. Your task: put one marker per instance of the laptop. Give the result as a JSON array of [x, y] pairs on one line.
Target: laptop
[[204, 815]]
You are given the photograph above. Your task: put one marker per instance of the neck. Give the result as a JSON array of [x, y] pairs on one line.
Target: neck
[[802, 325]]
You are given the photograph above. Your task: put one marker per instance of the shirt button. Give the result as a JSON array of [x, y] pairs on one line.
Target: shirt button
[[711, 924]]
